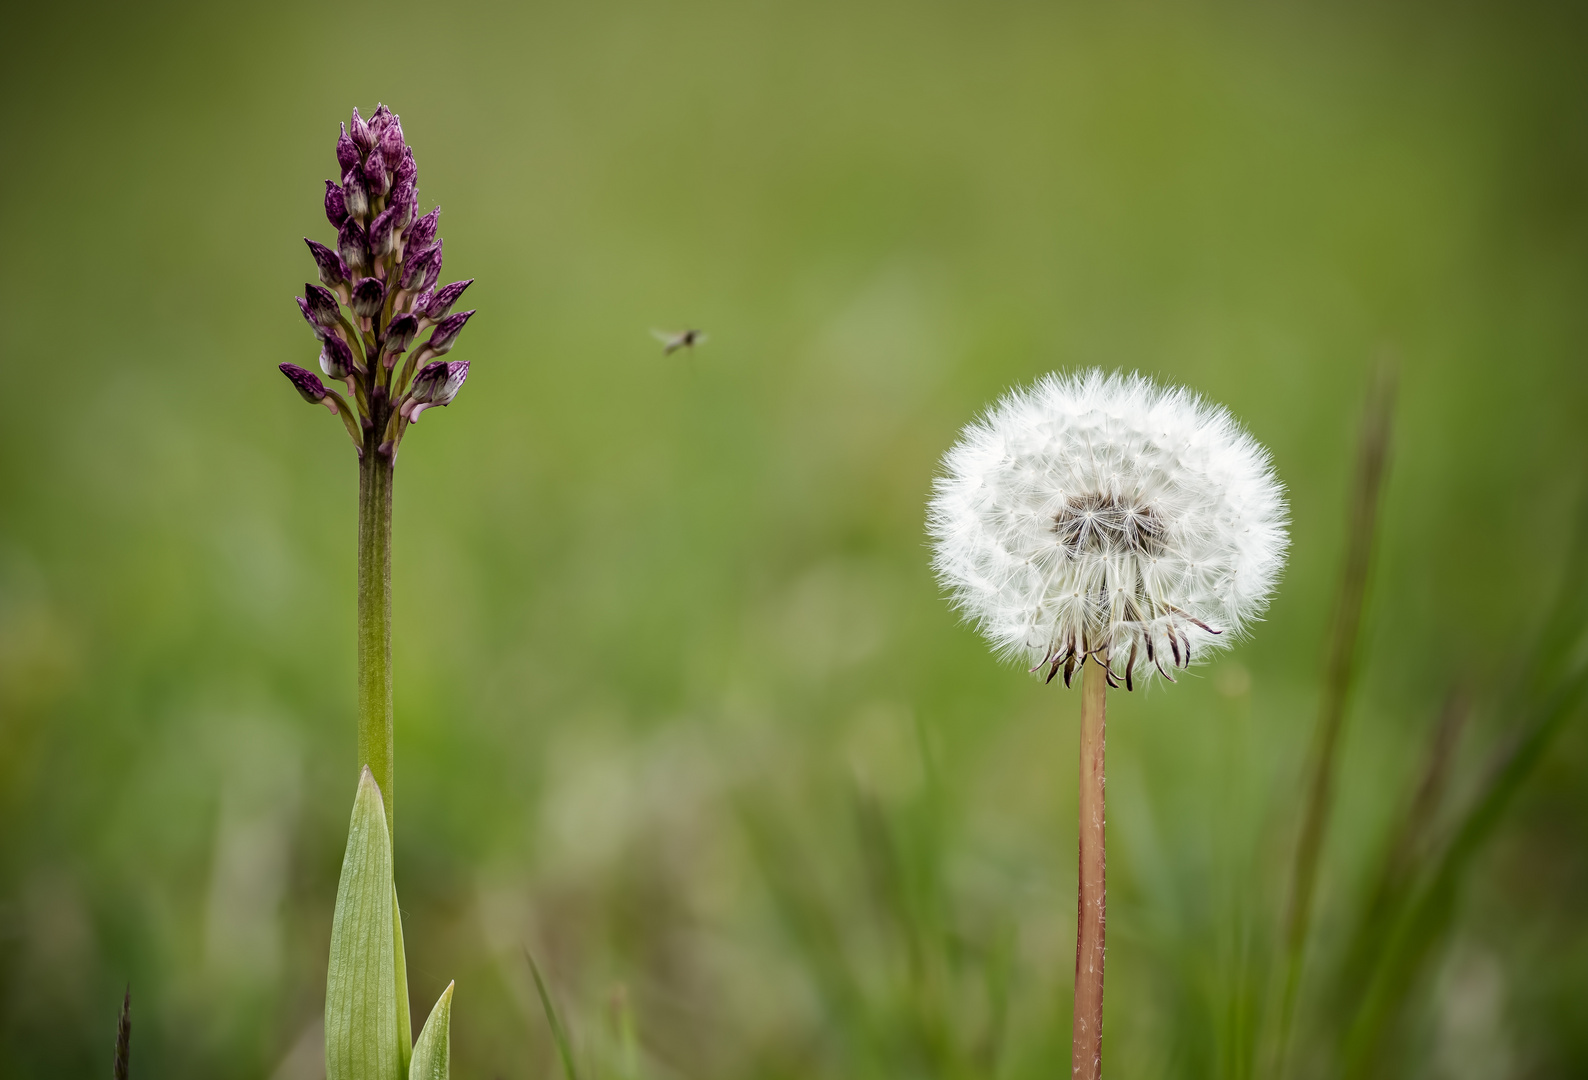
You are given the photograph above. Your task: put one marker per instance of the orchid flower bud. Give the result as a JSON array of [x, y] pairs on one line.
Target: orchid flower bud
[[363, 137], [336, 358], [346, 151], [333, 271], [352, 243], [322, 306], [406, 169], [399, 335], [377, 179], [308, 316], [446, 333], [308, 384], [422, 233], [383, 233], [405, 201], [335, 205], [440, 303], [368, 295], [392, 147], [434, 387], [355, 195], [419, 265]]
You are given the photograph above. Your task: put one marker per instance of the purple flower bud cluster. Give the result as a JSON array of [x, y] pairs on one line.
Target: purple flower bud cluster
[[378, 291]]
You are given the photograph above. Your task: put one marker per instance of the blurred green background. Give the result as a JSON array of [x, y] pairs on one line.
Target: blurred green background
[[679, 705]]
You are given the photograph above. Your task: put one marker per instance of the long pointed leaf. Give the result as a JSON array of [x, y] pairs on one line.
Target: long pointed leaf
[[360, 985], [433, 1052]]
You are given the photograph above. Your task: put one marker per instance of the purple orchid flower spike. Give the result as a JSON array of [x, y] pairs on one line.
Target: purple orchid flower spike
[[378, 290]]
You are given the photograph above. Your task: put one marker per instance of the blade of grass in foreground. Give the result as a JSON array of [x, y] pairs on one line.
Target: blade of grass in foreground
[[1559, 663], [1372, 457], [559, 1033], [1429, 915], [1404, 859]]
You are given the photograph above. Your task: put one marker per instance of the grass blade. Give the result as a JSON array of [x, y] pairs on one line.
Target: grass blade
[[1429, 915], [559, 1033], [1372, 458], [1405, 857], [1559, 662], [124, 1036]]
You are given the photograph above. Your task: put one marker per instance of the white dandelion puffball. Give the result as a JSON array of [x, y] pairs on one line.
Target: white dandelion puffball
[[1105, 516]]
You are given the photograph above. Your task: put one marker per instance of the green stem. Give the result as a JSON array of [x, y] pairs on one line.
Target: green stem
[[374, 614]]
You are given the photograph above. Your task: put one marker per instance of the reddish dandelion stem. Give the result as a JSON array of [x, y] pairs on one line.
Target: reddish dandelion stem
[[1086, 1040]]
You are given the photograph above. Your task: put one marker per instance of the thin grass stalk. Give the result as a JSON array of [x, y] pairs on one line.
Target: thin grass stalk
[[1405, 856], [1086, 1036], [123, 1063], [1550, 688], [1425, 920], [559, 1031], [1372, 456]]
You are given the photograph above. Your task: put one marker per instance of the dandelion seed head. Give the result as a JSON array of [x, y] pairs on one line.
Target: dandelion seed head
[[1103, 515]]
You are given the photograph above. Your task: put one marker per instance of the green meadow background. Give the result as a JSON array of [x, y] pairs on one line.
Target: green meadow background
[[679, 705]]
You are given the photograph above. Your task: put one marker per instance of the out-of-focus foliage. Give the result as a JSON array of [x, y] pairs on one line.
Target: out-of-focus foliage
[[678, 705]]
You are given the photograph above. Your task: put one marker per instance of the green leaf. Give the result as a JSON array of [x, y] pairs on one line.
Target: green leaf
[[433, 1051], [405, 1025], [360, 986]]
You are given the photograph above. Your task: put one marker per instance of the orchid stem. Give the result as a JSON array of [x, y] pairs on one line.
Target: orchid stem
[[375, 747]]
